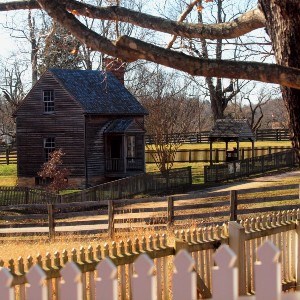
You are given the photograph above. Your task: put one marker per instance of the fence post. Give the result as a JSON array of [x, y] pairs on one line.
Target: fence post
[[205, 174], [233, 205], [51, 221], [26, 195], [111, 223], [217, 155], [237, 244], [190, 175], [170, 211], [7, 155]]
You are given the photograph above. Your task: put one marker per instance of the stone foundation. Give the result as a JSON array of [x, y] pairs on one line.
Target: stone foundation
[[74, 182], [26, 181]]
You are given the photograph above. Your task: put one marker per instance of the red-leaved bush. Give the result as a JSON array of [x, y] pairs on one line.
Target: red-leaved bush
[[53, 169]]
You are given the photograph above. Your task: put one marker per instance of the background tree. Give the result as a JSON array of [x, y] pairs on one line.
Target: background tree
[[280, 18], [171, 114], [58, 50], [13, 92]]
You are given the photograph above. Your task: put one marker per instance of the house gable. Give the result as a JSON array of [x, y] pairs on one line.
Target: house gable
[[33, 101]]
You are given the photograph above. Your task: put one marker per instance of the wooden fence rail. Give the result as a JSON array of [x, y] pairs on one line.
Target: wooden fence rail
[[128, 214], [249, 166], [179, 179], [182, 155], [203, 137], [282, 230], [218, 155]]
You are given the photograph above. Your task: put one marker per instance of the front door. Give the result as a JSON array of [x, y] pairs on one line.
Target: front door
[[115, 160]]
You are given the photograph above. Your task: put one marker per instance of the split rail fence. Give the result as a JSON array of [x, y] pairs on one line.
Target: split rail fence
[[203, 137], [244, 238], [8, 155], [161, 212]]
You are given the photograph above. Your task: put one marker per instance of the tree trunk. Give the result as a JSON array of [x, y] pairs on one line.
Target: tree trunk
[[283, 27]]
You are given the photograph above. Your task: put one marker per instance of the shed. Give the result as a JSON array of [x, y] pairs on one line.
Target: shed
[[91, 116], [231, 130]]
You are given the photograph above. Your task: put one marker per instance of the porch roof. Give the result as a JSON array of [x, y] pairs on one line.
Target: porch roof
[[123, 126]]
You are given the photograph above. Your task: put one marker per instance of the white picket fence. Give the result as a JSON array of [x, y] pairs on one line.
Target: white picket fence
[[267, 277]]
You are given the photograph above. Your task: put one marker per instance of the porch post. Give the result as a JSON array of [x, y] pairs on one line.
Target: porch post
[[124, 152]]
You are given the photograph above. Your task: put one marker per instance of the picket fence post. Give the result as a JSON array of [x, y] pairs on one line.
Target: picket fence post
[[6, 291], [237, 244], [144, 281], [225, 275], [267, 272], [184, 276], [71, 286], [51, 221], [36, 288], [106, 283]]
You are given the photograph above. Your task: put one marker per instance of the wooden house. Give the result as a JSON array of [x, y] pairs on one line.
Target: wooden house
[[91, 116]]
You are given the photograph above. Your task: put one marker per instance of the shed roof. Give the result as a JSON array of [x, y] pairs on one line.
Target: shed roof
[[98, 92], [232, 129]]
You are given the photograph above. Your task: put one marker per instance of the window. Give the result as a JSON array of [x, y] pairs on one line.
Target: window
[[49, 146], [131, 146], [48, 98]]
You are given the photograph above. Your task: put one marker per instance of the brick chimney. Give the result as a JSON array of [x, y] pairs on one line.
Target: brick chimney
[[116, 66]]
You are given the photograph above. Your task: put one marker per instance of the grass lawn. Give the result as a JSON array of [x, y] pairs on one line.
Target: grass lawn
[[8, 175], [197, 169]]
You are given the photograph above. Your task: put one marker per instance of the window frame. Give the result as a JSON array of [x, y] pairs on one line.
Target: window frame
[[131, 146], [48, 149], [49, 101]]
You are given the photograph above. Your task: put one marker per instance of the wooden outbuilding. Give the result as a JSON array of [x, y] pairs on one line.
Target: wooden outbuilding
[[231, 130], [91, 116]]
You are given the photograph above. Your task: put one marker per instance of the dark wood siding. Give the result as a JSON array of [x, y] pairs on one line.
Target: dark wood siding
[[95, 127], [66, 125]]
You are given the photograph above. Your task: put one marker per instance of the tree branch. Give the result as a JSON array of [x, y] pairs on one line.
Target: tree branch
[[270, 73], [245, 23], [131, 49], [181, 19]]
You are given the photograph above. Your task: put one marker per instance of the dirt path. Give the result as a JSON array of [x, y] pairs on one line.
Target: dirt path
[[258, 182], [139, 210]]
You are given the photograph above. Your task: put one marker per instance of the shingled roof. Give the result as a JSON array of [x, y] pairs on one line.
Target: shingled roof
[[232, 129], [99, 92]]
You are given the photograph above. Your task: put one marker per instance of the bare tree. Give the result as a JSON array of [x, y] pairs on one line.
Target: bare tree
[[249, 105], [13, 92], [280, 18], [170, 115]]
